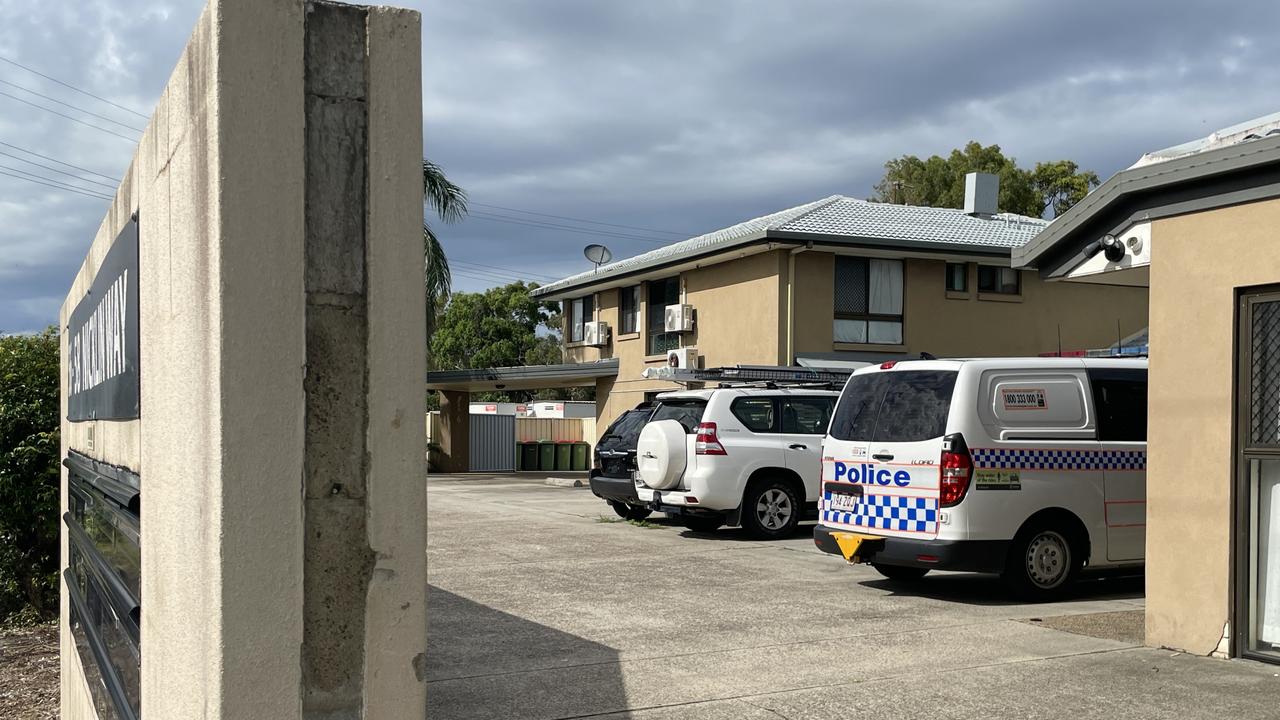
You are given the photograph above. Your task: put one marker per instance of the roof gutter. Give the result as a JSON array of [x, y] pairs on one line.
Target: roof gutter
[[603, 281]]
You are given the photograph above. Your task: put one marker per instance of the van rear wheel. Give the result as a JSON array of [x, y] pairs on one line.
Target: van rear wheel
[[899, 572], [1043, 562]]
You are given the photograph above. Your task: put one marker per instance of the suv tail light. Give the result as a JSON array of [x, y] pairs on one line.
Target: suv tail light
[[707, 443], [955, 469]]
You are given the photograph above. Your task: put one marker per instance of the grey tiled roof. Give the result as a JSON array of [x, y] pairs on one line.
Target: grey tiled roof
[[837, 217], [848, 217]]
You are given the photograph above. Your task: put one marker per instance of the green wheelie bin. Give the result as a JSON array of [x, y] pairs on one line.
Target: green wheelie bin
[[580, 450], [528, 456], [546, 455], [564, 456]]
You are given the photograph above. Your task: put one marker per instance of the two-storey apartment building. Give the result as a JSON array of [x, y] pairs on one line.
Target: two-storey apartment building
[[838, 279]]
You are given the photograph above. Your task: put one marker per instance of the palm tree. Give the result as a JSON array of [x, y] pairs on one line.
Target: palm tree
[[450, 203]]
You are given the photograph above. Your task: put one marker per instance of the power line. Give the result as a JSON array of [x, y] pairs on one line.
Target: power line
[[487, 275], [50, 180], [59, 187], [584, 220], [72, 87], [73, 107], [73, 119], [514, 271], [46, 157], [491, 217], [54, 169]]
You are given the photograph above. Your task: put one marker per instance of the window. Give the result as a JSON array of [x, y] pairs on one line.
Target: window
[[957, 277], [868, 301], [891, 407], [629, 310], [661, 294], [581, 311], [806, 416], [755, 413], [999, 280], [686, 412], [1120, 397]]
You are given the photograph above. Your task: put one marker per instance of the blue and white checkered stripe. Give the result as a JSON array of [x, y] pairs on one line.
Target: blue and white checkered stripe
[[1033, 459], [887, 512]]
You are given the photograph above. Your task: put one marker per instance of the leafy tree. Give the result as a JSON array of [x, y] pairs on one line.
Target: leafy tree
[[449, 203], [30, 447], [939, 182], [502, 327], [1062, 184], [494, 328]]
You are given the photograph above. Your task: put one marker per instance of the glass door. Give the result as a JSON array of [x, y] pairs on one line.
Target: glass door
[[1257, 615]]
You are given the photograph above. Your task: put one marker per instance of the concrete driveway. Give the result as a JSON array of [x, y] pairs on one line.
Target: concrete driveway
[[541, 606]]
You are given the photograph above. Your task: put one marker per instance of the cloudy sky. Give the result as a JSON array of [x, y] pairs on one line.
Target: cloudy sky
[[654, 120]]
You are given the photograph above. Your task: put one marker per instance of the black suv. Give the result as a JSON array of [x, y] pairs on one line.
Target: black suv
[[614, 463]]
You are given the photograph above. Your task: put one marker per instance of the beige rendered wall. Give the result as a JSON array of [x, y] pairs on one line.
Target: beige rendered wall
[[973, 324], [218, 184], [1199, 262], [739, 308]]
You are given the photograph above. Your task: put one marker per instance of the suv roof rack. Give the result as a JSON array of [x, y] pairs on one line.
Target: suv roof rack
[[754, 375]]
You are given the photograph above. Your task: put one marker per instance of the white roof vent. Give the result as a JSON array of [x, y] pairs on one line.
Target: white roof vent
[[981, 191]]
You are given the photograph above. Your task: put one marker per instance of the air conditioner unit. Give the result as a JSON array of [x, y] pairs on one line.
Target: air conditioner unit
[[683, 358], [595, 334], [679, 319]]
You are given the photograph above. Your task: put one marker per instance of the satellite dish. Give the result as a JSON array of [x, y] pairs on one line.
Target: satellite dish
[[597, 254]]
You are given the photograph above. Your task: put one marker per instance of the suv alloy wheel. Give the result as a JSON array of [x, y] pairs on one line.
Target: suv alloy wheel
[[770, 509]]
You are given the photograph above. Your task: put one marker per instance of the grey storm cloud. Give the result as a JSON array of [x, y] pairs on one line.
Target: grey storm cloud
[[682, 116]]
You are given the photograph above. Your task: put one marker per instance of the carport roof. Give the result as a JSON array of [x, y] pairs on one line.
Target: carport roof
[[525, 377]]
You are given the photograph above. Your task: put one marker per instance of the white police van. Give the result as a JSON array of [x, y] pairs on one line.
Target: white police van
[[1033, 468]]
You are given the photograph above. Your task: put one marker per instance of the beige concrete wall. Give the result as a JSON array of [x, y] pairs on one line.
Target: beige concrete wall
[[218, 184], [396, 612], [1198, 263], [973, 324]]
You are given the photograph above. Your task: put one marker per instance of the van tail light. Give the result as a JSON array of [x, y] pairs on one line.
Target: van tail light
[[888, 365], [707, 442], [955, 470]]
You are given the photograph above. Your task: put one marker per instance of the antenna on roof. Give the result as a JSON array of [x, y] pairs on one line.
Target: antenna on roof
[[597, 254]]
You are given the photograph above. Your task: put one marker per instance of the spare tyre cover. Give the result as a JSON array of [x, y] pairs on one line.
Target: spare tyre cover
[[660, 454]]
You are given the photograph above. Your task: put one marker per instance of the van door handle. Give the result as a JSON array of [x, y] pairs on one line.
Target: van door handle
[[798, 446], [882, 457]]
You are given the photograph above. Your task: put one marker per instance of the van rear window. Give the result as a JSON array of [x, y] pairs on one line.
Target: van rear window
[[904, 406]]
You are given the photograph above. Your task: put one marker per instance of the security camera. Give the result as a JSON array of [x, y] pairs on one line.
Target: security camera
[[1112, 248]]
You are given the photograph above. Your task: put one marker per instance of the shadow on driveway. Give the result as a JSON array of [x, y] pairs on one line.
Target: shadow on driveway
[[483, 663], [978, 589]]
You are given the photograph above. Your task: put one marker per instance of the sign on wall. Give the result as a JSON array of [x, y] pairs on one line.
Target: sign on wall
[[102, 338]]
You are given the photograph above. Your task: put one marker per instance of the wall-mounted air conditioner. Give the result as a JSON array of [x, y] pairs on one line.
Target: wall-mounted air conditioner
[[595, 334], [683, 358], [679, 319]]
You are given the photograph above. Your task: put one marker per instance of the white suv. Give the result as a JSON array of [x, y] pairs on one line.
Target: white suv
[[748, 456]]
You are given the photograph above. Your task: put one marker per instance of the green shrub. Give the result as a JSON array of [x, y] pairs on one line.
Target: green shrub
[[30, 449]]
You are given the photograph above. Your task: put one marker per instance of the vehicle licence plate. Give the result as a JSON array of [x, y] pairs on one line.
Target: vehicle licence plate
[[841, 501]]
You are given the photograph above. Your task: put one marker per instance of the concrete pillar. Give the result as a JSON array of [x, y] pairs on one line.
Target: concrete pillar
[[455, 431], [280, 463]]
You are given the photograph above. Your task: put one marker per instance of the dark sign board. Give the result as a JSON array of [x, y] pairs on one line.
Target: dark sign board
[[102, 338]]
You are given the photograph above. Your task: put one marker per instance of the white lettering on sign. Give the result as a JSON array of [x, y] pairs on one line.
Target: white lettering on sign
[[96, 350], [1023, 398]]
